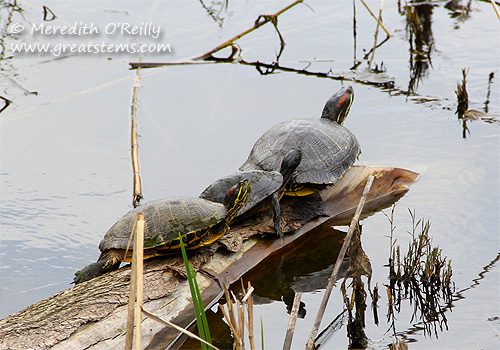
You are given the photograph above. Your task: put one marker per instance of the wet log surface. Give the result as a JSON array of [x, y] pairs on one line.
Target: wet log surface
[[92, 315]]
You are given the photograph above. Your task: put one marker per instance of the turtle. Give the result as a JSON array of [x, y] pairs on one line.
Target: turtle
[[328, 148], [267, 188], [199, 221]]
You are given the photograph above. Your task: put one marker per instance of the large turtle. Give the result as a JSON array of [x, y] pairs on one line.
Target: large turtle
[[267, 188], [328, 148], [199, 221]]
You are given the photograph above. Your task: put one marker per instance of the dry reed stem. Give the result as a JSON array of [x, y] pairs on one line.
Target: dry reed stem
[[495, 7], [250, 316], [333, 278], [291, 323], [379, 22], [130, 316], [376, 33], [139, 267], [231, 324], [137, 195], [235, 316], [257, 25], [180, 329], [135, 288]]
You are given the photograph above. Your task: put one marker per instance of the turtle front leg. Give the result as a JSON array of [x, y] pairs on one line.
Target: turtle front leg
[[275, 203]]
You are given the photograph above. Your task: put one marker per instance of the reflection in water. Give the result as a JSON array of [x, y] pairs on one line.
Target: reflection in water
[[464, 113], [417, 328], [356, 305], [304, 267], [422, 277], [48, 15], [8, 11], [216, 10], [488, 92], [459, 12], [419, 32]]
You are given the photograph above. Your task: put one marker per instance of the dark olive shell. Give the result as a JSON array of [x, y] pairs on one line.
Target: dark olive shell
[[264, 184], [328, 149], [164, 220]]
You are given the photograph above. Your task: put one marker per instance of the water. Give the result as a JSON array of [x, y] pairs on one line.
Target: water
[[65, 160]]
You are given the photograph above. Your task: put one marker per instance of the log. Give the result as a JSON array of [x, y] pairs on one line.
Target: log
[[93, 314]]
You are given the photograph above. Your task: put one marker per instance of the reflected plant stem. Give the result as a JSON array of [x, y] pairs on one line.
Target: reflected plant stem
[[376, 47], [7, 103], [356, 63], [488, 92], [418, 327]]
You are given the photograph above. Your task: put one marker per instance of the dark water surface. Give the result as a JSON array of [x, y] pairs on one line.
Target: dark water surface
[[65, 152]]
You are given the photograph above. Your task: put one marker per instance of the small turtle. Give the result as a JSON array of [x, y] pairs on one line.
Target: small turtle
[[328, 148], [199, 221], [267, 188]]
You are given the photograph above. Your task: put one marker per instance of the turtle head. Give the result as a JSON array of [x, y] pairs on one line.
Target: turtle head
[[337, 107], [290, 163], [235, 198]]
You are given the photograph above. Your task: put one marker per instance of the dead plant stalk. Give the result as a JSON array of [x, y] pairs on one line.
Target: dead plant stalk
[[378, 21], [136, 286], [340, 258], [291, 323], [137, 195], [376, 34]]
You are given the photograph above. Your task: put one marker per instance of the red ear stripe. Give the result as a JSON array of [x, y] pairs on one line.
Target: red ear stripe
[[232, 190], [342, 100]]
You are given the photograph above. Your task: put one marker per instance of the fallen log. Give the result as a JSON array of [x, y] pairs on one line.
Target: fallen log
[[93, 314]]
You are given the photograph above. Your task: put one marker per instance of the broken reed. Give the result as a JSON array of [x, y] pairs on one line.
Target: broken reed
[[423, 276], [235, 316]]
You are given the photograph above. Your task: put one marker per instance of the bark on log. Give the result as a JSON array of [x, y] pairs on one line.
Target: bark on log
[[92, 315]]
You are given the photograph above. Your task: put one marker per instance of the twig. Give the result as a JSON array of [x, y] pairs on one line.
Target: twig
[[340, 258], [495, 8], [258, 24], [291, 323], [379, 22], [137, 196]]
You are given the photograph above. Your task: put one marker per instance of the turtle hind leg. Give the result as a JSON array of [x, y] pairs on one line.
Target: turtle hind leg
[[107, 262]]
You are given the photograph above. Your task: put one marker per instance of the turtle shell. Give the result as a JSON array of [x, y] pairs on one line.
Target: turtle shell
[[328, 149], [164, 220], [264, 184]]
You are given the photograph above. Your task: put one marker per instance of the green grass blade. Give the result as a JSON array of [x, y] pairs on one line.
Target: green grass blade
[[262, 331], [201, 320], [203, 315]]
